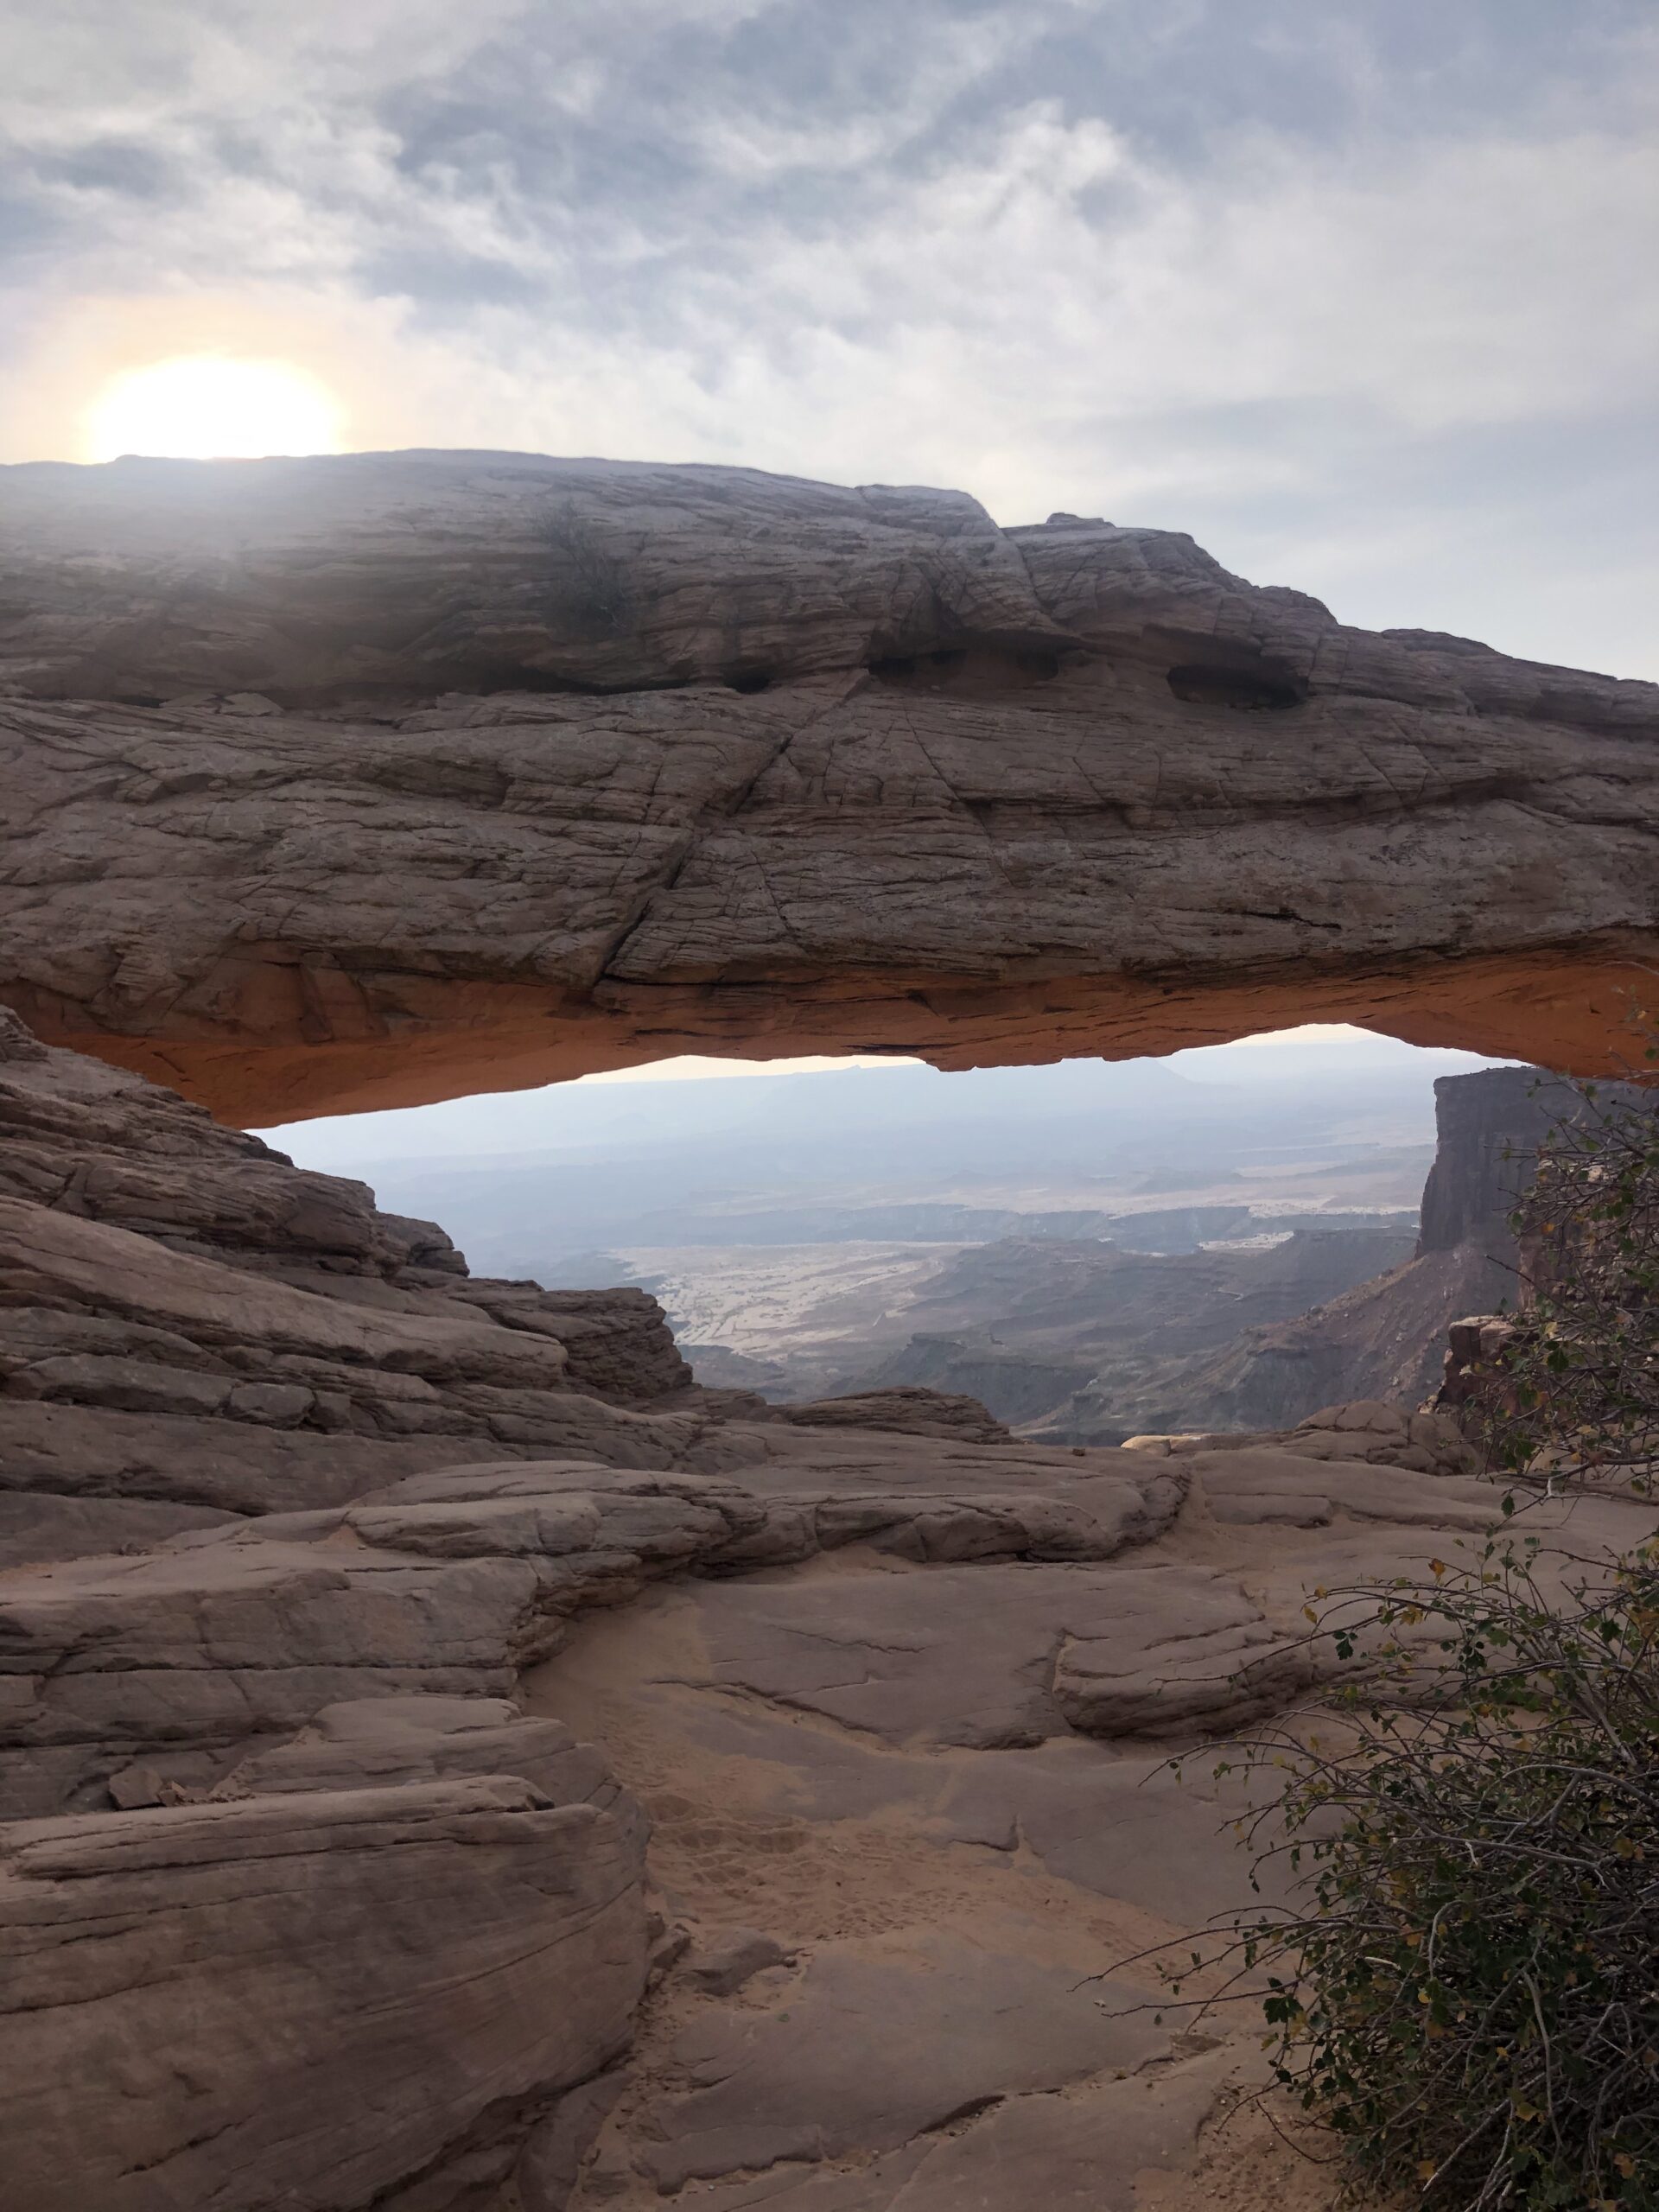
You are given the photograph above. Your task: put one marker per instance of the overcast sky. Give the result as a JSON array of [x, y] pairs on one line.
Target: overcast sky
[[1360, 292]]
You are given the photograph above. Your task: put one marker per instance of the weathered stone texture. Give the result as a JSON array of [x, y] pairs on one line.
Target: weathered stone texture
[[429, 572], [1002, 795], [308, 1999], [300, 1905], [192, 1325], [399, 775]]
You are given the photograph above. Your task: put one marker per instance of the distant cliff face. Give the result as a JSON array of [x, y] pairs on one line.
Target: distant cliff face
[[1101, 1339], [1079, 1343], [1387, 1338], [1488, 1127]]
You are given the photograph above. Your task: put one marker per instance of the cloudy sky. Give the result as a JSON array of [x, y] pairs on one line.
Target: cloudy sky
[[1361, 292]]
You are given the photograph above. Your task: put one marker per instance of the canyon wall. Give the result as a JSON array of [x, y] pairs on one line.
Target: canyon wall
[[1387, 1338]]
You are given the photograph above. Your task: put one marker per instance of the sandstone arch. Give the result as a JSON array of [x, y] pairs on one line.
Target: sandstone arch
[[405, 775]]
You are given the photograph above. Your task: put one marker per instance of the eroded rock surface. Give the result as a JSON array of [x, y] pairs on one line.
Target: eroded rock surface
[[451, 1763], [930, 1788], [881, 2043], [818, 769], [193, 1326], [306, 1998]]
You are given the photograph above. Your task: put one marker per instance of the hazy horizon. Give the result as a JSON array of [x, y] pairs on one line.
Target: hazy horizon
[[494, 1125]]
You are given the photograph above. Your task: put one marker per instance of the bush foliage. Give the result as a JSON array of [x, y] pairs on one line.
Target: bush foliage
[[1578, 1381], [1464, 1986]]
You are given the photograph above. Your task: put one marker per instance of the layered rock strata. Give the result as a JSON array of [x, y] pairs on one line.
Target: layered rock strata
[[325, 1567], [326, 1572], [407, 773], [348, 1996]]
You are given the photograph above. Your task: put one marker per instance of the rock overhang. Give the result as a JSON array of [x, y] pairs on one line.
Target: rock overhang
[[406, 775]]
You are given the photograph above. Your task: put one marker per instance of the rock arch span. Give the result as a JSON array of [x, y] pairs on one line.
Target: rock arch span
[[405, 775]]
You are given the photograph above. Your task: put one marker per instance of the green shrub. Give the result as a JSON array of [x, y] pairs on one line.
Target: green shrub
[[1578, 1383], [1466, 1987]]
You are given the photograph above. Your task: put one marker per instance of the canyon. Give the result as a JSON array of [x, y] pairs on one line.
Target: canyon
[[451, 1759], [1091, 1344]]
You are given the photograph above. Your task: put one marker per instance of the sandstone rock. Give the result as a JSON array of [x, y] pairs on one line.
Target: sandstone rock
[[333, 1922], [1279, 1482], [546, 2173], [87, 1452], [722, 1963], [992, 802], [311, 1998], [880, 2043], [378, 1743], [910, 1410], [38, 1525], [1477, 1346], [198, 1655], [793, 1456], [202, 1649], [62, 1261], [1110, 1651], [193, 1657], [1086, 2152], [306, 577], [617, 1342], [195, 1327], [1363, 1432]]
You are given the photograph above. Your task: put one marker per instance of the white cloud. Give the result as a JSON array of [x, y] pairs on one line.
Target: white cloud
[[882, 254]]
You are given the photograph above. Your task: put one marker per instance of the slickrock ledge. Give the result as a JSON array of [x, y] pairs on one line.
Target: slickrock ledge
[[252, 2003], [401, 1672], [407, 774]]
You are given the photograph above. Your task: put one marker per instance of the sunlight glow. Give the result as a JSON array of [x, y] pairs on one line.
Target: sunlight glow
[[1322, 1032], [212, 407], [690, 1068]]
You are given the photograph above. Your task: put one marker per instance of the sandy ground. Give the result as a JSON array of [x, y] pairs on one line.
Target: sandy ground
[[758, 1842]]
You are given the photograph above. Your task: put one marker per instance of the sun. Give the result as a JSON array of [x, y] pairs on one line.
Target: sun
[[214, 407]]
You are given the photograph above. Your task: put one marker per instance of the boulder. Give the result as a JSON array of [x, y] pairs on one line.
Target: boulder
[[722, 1961]]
